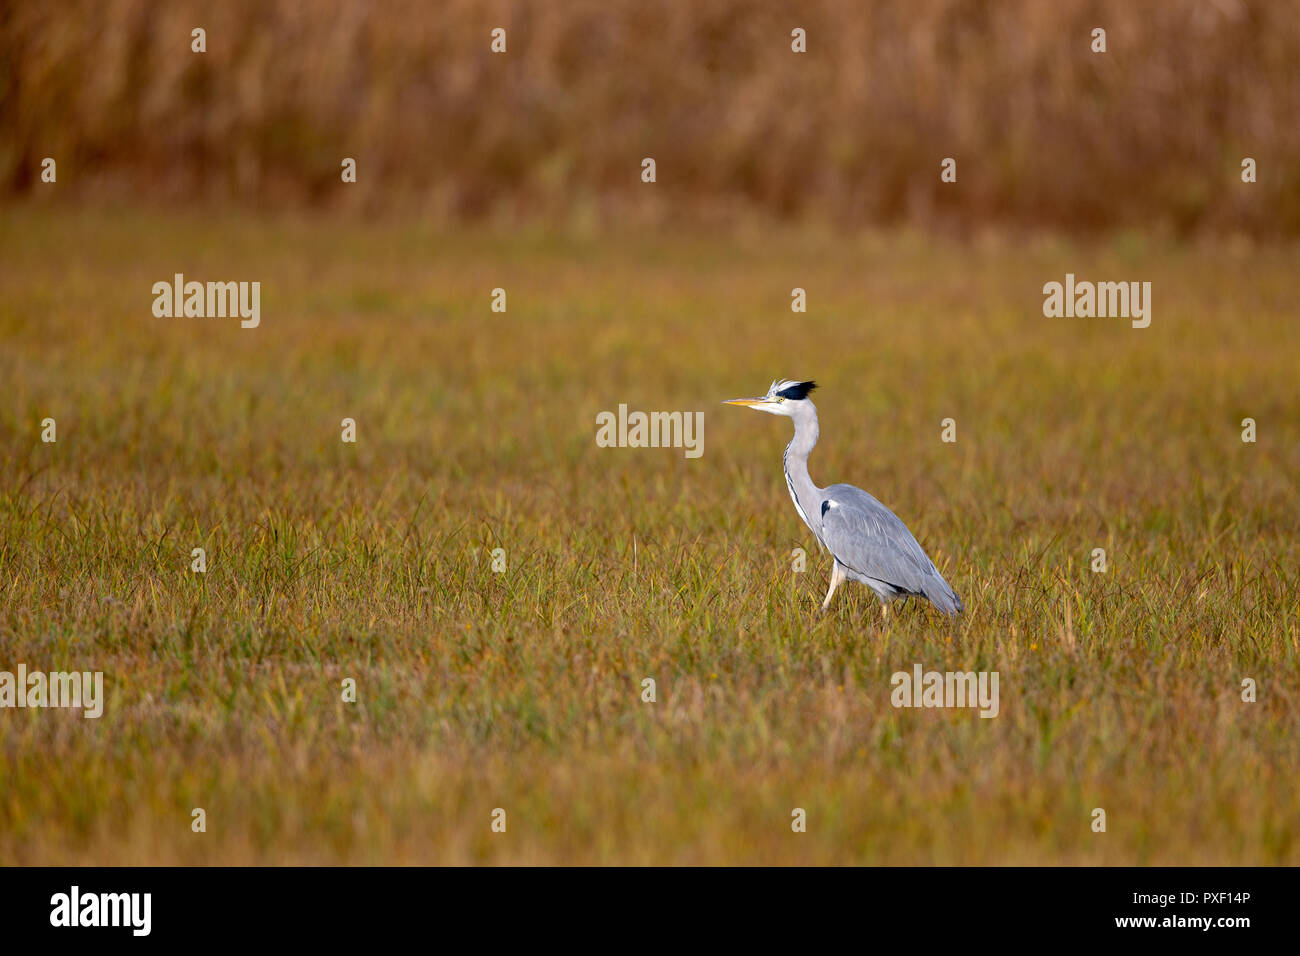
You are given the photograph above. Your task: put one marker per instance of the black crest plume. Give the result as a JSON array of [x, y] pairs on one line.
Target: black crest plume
[[797, 390]]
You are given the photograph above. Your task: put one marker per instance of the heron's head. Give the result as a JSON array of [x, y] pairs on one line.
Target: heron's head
[[783, 398]]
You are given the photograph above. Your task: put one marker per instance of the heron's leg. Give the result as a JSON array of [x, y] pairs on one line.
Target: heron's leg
[[884, 612], [837, 576]]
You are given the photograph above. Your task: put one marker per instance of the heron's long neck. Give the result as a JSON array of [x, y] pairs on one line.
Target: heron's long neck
[[807, 496]]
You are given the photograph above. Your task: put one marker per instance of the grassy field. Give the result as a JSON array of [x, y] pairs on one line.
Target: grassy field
[[521, 690]]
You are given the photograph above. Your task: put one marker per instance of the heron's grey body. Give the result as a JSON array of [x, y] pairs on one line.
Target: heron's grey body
[[868, 542]]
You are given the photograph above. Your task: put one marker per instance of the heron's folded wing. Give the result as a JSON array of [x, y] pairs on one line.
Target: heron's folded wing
[[868, 538]]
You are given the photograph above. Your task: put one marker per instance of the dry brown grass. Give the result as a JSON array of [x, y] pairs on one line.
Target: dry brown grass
[[1150, 135], [522, 690]]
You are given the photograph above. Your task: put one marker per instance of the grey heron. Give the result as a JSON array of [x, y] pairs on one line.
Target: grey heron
[[869, 543]]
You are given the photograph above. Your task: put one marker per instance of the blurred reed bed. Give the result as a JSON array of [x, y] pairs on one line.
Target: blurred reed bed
[[1149, 135]]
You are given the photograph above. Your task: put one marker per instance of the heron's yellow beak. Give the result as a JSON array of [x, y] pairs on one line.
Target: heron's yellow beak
[[744, 401]]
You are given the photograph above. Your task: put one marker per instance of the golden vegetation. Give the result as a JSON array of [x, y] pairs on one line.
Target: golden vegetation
[[522, 690], [1150, 134]]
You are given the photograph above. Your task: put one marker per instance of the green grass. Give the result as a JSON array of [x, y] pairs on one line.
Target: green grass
[[522, 690]]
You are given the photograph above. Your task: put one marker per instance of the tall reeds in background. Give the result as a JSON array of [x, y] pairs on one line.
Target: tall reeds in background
[[1150, 134]]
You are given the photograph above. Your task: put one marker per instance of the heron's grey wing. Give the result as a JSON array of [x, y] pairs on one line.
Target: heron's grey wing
[[870, 541]]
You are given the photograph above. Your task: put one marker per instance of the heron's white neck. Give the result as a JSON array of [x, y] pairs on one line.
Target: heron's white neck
[[807, 496]]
